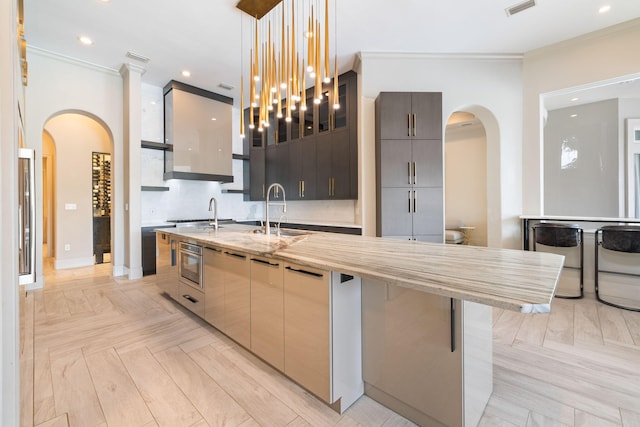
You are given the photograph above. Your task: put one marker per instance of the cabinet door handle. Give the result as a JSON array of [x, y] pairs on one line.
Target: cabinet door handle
[[415, 201], [299, 188], [190, 298], [213, 249], [309, 273], [415, 126], [263, 196], [329, 186], [409, 173], [409, 199], [265, 262], [453, 325], [408, 124], [303, 189], [415, 173], [236, 255], [333, 187]]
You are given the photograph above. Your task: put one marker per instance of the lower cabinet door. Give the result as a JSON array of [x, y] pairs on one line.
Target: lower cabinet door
[[214, 287], [267, 305], [191, 298], [237, 298], [307, 329]]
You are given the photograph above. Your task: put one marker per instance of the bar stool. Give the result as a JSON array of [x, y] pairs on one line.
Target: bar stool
[[619, 238], [561, 236]]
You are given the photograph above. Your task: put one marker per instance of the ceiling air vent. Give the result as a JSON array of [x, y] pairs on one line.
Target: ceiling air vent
[[225, 86], [520, 7], [137, 57]]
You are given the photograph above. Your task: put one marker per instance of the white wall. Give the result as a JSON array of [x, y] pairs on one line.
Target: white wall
[[56, 85], [489, 87], [595, 57], [76, 137], [10, 96], [465, 161]]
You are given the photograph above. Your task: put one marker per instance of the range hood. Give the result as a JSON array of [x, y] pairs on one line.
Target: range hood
[[197, 128]]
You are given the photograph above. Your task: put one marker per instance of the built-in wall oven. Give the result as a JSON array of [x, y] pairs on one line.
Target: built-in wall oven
[[190, 265]]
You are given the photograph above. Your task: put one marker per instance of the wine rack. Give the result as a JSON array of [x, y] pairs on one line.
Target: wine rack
[[101, 184]]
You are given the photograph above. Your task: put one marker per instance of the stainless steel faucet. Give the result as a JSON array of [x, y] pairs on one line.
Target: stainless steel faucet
[[214, 223], [267, 228]]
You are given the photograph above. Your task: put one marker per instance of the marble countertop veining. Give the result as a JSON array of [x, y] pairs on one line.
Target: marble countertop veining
[[505, 278]]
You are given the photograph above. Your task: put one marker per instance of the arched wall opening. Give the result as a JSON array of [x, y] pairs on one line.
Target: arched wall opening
[[473, 168], [75, 137]]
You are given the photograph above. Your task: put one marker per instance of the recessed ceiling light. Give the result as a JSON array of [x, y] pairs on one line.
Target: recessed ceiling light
[[85, 40], [186, 73], [573, 115], [575, 99], [604, 9], [214, 119], [105, 1]]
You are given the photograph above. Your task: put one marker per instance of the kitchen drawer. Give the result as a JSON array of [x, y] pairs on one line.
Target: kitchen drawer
[[191, 298]]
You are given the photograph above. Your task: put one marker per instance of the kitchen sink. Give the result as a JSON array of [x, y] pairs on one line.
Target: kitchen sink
[[283, 233]]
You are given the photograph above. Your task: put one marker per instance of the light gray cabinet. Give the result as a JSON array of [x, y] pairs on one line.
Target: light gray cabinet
[[167, 263], [267, 310], [322, 333], [409, 172], [425, 356], [228, 293], [214, 287], [237, 297]]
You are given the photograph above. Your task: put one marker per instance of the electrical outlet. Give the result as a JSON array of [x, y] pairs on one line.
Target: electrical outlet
[[67, 247]]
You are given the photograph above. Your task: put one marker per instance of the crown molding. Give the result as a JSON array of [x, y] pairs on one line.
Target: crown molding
[[70, 60], [363, 56]]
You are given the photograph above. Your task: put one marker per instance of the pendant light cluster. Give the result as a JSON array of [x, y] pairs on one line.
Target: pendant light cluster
[[290, 47]]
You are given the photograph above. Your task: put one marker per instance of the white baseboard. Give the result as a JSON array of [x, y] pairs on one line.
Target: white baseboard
[[120, 270], [61, 264], [135, 273]]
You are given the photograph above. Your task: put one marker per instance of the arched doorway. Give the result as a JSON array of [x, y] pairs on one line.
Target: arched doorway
[[465, 160], [71, 140]]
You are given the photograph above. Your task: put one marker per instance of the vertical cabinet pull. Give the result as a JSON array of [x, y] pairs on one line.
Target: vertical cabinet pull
[[303, 189], [408, 124], [415, 200], [263, 196], [453, 325], [409, 198], [408, 172], [415, 173], [415, 132]]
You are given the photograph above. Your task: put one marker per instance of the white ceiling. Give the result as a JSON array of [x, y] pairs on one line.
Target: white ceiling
[[203, 36]]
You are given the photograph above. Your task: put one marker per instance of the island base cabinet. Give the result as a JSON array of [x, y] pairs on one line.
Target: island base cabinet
[[414, 354], [267, 311], [214, 287], [237, 298], [166, 263], [322, 334]]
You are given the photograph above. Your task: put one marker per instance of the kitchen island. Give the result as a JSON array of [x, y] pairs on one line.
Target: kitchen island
[[408, 323]]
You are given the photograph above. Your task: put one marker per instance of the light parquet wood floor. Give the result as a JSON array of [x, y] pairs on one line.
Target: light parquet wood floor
[[104, 351]]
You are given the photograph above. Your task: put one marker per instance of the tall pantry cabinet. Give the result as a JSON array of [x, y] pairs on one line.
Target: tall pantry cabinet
[[409, 172]]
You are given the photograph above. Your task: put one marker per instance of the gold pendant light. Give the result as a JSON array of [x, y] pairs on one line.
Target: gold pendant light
[[278, 67]]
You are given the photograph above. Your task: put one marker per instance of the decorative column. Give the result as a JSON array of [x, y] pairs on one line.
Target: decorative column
[[132, 109]]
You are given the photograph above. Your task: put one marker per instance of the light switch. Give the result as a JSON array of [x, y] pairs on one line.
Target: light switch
[[70, 206]]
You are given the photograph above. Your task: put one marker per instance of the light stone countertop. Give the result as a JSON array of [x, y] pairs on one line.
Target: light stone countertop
[[511, 279]]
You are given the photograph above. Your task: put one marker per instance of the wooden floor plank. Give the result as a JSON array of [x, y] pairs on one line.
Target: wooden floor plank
[[538, 420], [215, 405], [264, 407], [560, 326], [118, 395], [73, 390], [586, 323], [168, 404], [630, 418], [532, 329], [632, 319], [507, 326], [59, 421], [614, 328], [311, 409], [585, 419]]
